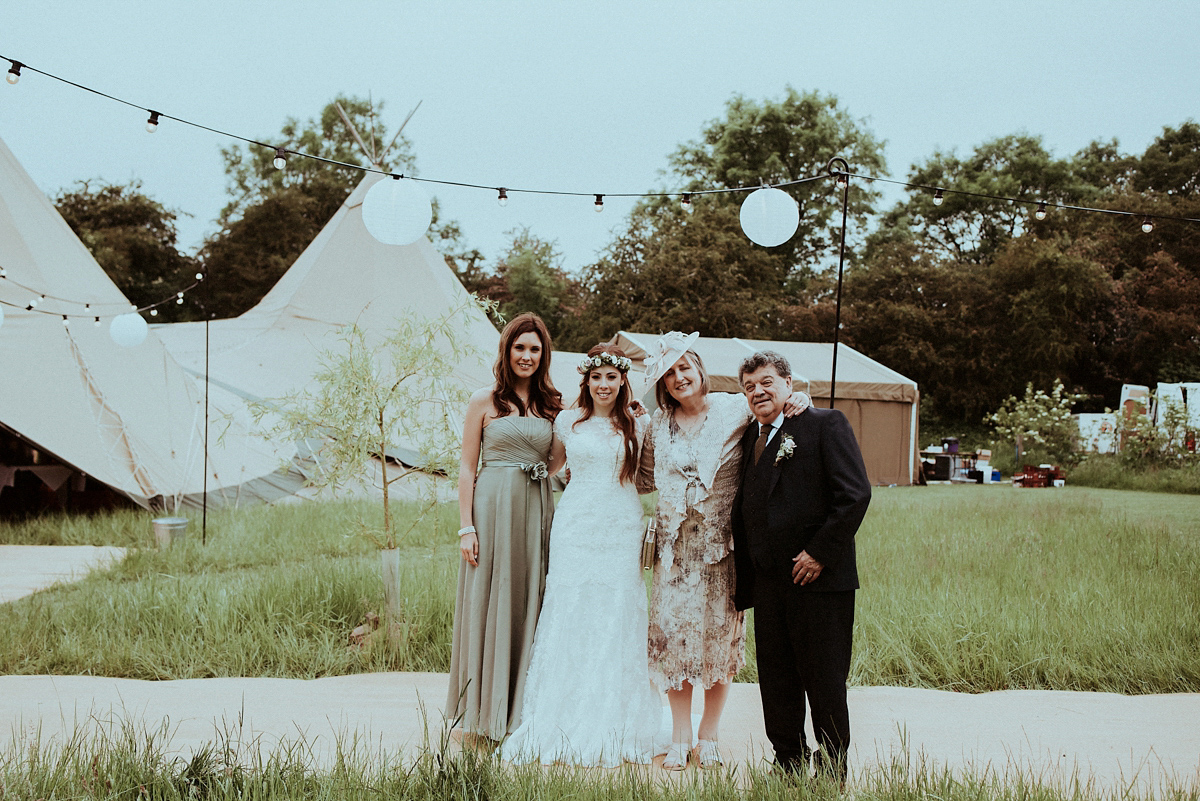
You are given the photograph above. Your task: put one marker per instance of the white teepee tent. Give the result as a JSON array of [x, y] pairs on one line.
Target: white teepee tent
[[131, 418], [344, 276]]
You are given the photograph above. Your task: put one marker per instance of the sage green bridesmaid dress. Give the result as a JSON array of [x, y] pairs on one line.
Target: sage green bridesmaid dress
[[498, 601]]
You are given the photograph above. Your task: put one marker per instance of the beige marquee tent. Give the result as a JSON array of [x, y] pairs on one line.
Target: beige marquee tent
[[881, 405]]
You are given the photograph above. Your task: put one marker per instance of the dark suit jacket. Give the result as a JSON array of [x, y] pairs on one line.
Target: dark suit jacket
[[816, 501]]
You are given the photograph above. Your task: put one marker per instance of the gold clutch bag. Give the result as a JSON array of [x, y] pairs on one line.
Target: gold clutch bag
[[649, 542]]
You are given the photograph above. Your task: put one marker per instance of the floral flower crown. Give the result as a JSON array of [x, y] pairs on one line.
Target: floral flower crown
[[622, 363]]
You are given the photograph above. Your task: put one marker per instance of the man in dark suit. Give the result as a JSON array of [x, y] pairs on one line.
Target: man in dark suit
[[803, 494]]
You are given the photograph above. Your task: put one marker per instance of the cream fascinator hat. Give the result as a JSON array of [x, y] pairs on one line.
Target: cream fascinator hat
[[665, 352]]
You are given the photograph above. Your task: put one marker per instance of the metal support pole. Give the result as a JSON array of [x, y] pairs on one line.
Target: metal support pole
[[842, 173], [204, 496]]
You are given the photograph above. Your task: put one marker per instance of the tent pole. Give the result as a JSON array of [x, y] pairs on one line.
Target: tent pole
[[842, 171], [204, 495]]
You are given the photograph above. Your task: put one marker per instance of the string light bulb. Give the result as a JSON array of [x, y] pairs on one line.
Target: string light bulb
[[502, 197], [938, 197], [686, 201], [843, 180], [1147, 225], [1041, 211], [280, 160], [3, 273], [154, 312], [599, 205], [199, 276], [14, 72], [152, 123], [66, 322], [96, 324]]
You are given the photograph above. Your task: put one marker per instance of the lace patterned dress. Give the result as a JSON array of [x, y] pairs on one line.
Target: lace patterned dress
[[696, 634], [588, 696]]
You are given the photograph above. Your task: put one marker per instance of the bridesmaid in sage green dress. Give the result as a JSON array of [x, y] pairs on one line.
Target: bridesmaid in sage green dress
[[505, 509]]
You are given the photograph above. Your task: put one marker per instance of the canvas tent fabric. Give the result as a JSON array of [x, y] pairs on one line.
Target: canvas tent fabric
[[131, 418], [881, 404], [344, 276]]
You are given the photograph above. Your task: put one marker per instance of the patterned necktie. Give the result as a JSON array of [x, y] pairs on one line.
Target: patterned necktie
[[761, 443]]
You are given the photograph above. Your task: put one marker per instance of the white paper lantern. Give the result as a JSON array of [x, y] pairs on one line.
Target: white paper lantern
[[769, 216], [397, 212], [128, 330]]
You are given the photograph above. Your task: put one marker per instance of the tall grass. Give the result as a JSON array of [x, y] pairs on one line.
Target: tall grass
[[970, 588], [1107, 471], [128, 764], [985, 588], [275, 592]]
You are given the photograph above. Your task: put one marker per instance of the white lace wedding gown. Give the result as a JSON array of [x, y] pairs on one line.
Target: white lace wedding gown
[[588, 696]]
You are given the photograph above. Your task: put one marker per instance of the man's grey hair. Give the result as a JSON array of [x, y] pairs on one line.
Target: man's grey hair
[[760, 359]]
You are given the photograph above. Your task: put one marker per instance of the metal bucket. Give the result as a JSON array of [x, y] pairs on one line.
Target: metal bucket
[[169, 529]]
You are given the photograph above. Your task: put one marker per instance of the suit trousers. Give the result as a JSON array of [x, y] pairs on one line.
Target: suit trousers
[[803, 642]]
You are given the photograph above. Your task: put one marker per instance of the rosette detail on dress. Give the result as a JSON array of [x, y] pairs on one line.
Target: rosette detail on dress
[[536, 470]]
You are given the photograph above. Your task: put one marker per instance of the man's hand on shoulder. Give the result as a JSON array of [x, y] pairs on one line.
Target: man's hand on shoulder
[[806, 569]]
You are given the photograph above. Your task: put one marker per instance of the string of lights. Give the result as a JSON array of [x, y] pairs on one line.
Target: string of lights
[[76, 308], [1042, 205], [503, 193], [841, 176]]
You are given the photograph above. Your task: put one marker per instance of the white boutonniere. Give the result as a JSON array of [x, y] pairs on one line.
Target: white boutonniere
[[787, 446]]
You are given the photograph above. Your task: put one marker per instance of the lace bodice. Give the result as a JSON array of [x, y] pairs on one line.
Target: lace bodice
[[698, 470], [601, 522]]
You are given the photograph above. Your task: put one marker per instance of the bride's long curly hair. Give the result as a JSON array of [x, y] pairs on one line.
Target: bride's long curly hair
[[622, 418], [544, 400]]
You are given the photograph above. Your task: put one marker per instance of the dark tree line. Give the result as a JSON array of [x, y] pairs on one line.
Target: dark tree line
[[971, 297]]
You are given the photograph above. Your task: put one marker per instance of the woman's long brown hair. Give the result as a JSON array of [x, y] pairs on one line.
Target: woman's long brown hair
[[622, 418], [544, 400]]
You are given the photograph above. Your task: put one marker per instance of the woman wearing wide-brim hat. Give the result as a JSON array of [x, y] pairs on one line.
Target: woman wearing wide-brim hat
[[691, 455]]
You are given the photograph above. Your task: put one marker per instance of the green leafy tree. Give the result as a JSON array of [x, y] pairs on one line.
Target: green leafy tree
[[253, 251], [252, 176], [773, 141], [973, 229], [1040, 423], [274, 214], [698, 271], [922, 317], [134, 239], [697, 274], [1171, 164]]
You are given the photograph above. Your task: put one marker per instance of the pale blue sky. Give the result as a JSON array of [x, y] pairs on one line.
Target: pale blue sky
[[583, 97]]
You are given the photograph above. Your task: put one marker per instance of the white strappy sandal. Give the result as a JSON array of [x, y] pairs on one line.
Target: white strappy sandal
[[708, 755], [677, 756]]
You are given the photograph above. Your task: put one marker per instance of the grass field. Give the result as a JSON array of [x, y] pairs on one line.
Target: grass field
[[971, 588]]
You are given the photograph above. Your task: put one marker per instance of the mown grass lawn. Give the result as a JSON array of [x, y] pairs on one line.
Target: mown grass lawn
[[970, 588]]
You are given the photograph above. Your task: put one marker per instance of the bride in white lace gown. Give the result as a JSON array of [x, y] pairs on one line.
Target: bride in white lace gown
[[588, 695]]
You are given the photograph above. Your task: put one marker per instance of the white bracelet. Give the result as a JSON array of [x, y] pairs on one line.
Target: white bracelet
[[462, 532]]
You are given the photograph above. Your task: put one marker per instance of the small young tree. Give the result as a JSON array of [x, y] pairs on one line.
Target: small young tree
[[371, 394], [1040, 422]]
